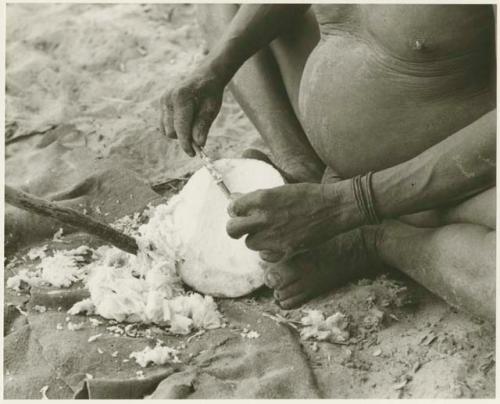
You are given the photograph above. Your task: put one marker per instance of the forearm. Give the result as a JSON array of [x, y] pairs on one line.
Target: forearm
[[294, 217], [253, 27], [461, 165]]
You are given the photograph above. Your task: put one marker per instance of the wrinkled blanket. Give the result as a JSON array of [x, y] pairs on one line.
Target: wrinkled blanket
[[39, 353], [405, 342]]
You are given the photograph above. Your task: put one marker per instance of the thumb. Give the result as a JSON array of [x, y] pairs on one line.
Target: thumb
[[203, 121], [232, 198]]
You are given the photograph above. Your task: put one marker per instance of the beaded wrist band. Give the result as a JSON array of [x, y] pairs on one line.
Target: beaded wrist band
[[362, 187]]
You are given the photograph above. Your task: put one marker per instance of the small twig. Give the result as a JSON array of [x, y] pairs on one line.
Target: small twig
[[281, 320], [160, 186], [18, 138]]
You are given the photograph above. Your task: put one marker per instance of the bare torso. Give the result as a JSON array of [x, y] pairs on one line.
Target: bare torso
[[387, 82]]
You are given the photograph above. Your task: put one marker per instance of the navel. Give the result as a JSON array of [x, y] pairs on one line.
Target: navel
[[419, 44]]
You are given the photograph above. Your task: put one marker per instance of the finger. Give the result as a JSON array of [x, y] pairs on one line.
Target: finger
[[183, 120], [169, 122], [279, 278], [256, 242], [166, 115], [162, 118], [233, 196], [295, 301], [200, 131], [275, 295], [239, 226], [244, 204], [203, 122], [271, 256]]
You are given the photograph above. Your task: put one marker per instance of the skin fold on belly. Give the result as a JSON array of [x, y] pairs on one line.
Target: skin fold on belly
[[363, 109]]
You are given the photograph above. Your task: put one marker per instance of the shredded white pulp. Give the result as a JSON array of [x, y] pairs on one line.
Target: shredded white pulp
[[61, 269], [185, 238], [333, 328], [158, 355]]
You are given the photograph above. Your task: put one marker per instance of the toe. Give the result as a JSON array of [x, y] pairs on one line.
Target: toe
[[280, 276], [256, 154], [294, 301], [273, 278], [271, 256], [291, 290]]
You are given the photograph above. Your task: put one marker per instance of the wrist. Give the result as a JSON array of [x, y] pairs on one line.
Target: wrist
[[222, 64], [365, 201], [340, 201]]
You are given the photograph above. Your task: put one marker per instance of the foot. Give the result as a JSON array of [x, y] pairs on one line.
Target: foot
[[293, 167], [347, 257]]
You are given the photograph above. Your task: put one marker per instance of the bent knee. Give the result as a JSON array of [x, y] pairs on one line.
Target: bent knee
[[214, 18]]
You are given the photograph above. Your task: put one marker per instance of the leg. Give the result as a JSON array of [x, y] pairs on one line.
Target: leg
[[266, 87], [456, 261], [331, 265], [479, 209], [346, 257]]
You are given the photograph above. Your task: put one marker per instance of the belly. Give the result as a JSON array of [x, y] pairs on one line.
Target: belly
[[364, 110]]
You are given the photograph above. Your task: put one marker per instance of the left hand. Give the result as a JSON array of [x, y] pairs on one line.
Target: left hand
[[290, 218]]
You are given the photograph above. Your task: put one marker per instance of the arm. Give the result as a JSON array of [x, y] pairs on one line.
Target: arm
[[292, 217], [189, 107], [459, 166], [252, 28]]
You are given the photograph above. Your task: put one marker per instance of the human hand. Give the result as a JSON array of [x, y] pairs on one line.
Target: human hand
[[189, 107], [286, 220]]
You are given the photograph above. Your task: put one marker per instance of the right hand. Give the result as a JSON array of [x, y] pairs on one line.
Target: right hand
[[189, 108]]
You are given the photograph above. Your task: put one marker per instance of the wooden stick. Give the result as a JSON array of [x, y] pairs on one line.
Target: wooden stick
[[72, 217]]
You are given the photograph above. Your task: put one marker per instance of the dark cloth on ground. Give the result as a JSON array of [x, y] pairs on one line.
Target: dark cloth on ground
[[400, 347]]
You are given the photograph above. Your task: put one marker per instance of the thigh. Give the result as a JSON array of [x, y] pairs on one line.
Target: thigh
[[479, 209], [291, 51]]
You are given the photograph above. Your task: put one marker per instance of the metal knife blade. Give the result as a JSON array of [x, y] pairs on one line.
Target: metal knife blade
[[209, 165]]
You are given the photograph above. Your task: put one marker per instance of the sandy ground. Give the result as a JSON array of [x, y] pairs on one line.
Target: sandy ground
[[103, 68], [100, 70]]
